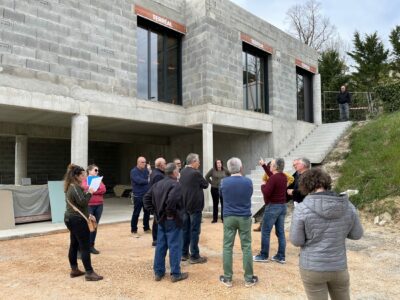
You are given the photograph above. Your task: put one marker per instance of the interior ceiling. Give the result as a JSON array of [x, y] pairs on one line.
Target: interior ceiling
[[47, 118]]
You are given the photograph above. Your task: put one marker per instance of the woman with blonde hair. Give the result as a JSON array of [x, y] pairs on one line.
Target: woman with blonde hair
[[76, 207]]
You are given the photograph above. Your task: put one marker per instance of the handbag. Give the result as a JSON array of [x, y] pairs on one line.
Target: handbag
[[92, 224]]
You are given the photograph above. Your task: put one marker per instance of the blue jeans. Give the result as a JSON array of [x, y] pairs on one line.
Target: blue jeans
[[274, 214], [169, 237], [344, 112], [191, 234], [137, 207], [97, 211]]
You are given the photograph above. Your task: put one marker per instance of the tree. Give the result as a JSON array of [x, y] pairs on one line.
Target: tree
[[332, 69], [309, 25], [394, 38], [371, 57]]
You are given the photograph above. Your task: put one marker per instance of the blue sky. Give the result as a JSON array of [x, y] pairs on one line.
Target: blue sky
[[348, 16]]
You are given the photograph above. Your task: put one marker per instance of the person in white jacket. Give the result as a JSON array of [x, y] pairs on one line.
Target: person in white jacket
[[320, 226]]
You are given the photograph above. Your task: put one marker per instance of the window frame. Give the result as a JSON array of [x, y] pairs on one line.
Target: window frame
[[152, 27], [308, 102], [264, 56]]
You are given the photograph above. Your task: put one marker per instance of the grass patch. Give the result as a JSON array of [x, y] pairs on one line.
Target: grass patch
[[373, 165]]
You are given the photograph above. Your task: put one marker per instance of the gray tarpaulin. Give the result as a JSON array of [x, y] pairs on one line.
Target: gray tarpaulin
[[29, 200]]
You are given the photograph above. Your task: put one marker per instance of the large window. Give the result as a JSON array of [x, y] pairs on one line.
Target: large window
[[159, 63], [304, 95], [254, 79]]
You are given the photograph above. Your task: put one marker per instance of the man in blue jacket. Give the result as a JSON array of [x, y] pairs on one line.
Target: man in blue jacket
[[140, 186]]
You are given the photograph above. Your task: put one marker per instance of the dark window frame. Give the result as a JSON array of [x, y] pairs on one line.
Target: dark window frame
[[308, 95], [248, 49], [165, 33]]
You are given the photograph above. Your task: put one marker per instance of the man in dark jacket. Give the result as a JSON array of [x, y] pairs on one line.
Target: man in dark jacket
[[156, 175], [193, 184], [164, 199], [301, 165], [344, 100], [140, 185]]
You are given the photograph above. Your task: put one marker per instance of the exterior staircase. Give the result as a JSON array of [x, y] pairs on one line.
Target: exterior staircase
[[315, 146]]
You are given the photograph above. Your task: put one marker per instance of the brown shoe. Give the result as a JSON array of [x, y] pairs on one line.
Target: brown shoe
[[76, 272], [258, 229], [92, 276]]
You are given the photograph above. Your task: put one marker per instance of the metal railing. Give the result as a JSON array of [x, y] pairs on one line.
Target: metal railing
[[363, 106]]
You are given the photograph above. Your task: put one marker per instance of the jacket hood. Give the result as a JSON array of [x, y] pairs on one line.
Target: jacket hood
[[328, 204]]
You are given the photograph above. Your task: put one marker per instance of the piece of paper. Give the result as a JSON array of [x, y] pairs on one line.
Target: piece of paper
[[95, 182]]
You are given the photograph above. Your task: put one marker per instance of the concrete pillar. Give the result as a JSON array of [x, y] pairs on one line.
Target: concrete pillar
[[317, 99], [79, 140], [207, 162], [21, 158]]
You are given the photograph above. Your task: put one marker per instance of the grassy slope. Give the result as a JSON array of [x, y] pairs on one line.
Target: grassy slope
[[373, 165]]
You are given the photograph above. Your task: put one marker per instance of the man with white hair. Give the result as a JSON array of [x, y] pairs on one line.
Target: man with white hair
[[236, 191], [301, 165]]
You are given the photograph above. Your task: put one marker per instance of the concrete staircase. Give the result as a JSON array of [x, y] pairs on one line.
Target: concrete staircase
[[315, 146]]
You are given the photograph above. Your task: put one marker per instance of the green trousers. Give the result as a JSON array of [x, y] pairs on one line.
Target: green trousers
[[232, 224]]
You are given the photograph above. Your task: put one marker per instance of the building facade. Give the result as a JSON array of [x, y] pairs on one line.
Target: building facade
[[99, 81]]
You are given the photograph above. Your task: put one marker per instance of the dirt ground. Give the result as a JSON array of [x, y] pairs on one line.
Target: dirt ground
[[37, 268]]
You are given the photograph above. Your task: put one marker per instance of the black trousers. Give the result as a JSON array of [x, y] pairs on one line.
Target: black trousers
[[216, 198], [79, 240]]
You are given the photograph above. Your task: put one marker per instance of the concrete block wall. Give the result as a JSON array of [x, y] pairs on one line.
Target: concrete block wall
[[47, 159], [92, 42], [7, 160]]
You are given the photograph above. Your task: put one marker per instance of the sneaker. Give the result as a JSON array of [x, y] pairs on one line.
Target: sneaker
[[260, 258], [185, 257], [278, 260], [93, 250], [135, 234], [158, 277], [154, 243], [225, 281], [253, 281], [183, 276], [199, 260]]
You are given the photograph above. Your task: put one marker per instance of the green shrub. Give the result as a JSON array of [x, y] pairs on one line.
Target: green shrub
[[389, 94]]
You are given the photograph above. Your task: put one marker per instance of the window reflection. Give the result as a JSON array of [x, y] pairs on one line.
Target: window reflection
[[158, 65], [253, 81]]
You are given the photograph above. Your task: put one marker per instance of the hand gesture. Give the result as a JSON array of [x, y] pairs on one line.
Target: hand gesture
[[91, 217], [261, 162]]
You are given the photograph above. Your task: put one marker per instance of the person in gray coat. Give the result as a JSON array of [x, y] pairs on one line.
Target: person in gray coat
[[320, 226]]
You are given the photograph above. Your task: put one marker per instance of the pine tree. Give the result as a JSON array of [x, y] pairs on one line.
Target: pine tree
[[394, 38], [332, 69], [371, 57]]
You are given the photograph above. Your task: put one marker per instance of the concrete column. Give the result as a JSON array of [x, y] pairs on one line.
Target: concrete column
[[79, 140], [207, 162], [21, 158], [317, 99]]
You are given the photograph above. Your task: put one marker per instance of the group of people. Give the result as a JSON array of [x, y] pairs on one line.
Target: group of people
[[321, 222]]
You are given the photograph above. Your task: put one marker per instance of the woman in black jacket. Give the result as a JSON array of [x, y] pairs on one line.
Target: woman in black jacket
[[76, 224]]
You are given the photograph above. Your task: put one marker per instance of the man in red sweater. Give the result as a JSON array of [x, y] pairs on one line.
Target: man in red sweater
[[274, 192]]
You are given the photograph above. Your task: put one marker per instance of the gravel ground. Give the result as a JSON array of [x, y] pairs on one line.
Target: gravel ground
[[37, 268]]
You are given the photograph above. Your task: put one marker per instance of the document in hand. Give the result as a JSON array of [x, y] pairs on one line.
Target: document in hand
[[94, 182]]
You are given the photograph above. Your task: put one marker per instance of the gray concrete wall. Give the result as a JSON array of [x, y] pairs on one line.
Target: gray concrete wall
[[7, 160], [87, 43]]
